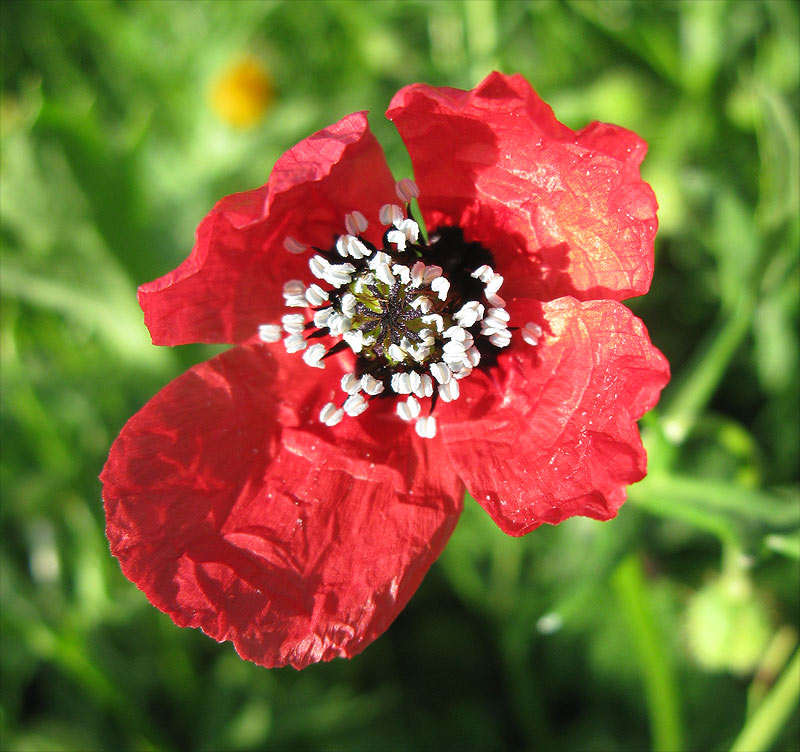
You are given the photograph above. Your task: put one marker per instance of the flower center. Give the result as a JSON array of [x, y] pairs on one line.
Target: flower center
[[416, 327]]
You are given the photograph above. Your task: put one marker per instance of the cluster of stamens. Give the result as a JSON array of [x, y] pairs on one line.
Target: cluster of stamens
[[412, 331]]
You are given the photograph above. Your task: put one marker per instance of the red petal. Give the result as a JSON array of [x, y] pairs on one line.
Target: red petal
[[550, 433], [236, 511], [564, 213], [233, 279]]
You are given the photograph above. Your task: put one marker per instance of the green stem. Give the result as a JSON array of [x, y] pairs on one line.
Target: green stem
[[766, 722], [660, 683], [690, 396]]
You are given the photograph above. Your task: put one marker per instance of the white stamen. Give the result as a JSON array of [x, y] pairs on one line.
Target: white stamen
[[293, 287], [400, 383], [499, 313], [269, 333], [384, 274], [449, 391], [406, 189], [402, 271], [338, 275], [351, 383], [454, 347], [431, 273], [355, 222], [409, 409], [409, 228], [390, 214], [494, 284], [321, 317], [484, 273], [493, 322], [417, 273], [330, 415], [495, 300], [338, 324], [470, 313], [371, 385], [422, 303], [455, 332], [420, 353], [414, 380], [425, 386], [347, 245], [441, 372], [292, 326], [531, 333], [436, 319], [396, 353], [315, 295], [355, 404], [398, 238], [313, 356], [441, 285], [426, 427], [501, 339], [354, 338], [294, 343], [473, 356], [318, 266], [462, 371], [294, 246], [349, 304]]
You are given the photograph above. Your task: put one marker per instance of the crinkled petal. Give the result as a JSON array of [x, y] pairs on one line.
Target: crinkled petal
[[236, 511], [550, 433], [563, 212], [233, 279]]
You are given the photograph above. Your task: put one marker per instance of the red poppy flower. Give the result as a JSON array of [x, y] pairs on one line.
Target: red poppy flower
[[292, 503]]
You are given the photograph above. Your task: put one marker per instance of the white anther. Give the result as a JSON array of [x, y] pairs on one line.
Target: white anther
[[462, 371], [338, 275], [390, 214], [402, 271], [294, 343], [296, 301], [414, 380], [409, 409], [330, 415], [409, 228], [431, 273], [318, 266], [484, 273], [455, 332], [473, 356], [425, 386], [321, 317], [426, 335], [441, 372], [420, 353], [435, 319], [500, 339], [494, 323], [406, 189], [499, 313], [449, 391], [371, 385], [313, 356], [531, 333], [494, 284], [441, 286], [269, 333], [469, 314], [355, 222], [495, 300], [294, 327], [338, 324], [396, 353], [347, 245], [417, 273], [349, 304], [454, 347], [378, 259], [351, 383], [422, 303], [400, 383], [426, 427], [315, 295], [355, 404], [293, 287], [384, 274], [398, 238], [294, 246], [354, 338]]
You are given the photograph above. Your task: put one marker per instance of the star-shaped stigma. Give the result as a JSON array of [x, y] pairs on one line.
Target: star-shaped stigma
[[391, 320]]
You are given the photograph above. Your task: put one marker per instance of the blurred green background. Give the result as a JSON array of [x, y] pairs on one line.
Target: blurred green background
[[673, 627]]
